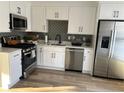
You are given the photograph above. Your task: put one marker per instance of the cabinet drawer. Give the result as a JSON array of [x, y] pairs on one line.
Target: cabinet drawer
[[54, 49], [16, 55]]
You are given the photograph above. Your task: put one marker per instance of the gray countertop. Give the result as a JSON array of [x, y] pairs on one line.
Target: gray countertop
[[64, 44], [8, 50]]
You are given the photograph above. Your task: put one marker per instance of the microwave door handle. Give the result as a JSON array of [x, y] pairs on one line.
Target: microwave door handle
[[26, 23]]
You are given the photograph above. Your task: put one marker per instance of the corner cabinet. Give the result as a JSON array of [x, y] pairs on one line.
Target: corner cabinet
[[111, 11], [38, 19], [82, 20], [57, 13], [51, 57], [88, 61], [11, 68], [4, 16], [17, 7]]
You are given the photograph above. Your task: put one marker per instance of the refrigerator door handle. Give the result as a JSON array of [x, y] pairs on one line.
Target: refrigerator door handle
[[111, 43]]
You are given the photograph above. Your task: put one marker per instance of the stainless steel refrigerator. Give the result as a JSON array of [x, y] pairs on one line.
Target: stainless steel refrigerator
[[109, 59]]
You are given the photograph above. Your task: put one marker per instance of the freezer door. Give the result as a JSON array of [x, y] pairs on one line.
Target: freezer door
[[116, 64], [103, 48]]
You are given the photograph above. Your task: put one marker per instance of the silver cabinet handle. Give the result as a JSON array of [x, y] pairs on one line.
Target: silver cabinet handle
[[114, 13], [56, 15], [84, 58], [18, 10], [16, 55], [40, 49], [79, 29], [117, 14], [82, 29], [54, 55], [51, 55]]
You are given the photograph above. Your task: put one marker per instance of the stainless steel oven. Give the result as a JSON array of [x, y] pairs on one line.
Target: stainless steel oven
[[18, 22], [74, 59]]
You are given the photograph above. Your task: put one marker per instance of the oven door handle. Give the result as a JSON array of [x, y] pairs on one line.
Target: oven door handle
[[27, 53]]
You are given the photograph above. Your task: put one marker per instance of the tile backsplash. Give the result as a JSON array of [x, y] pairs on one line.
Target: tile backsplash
[[21, 34], [54, 27], [57, 27]]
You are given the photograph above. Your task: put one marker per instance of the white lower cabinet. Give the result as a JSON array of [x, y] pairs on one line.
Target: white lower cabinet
[[51, 57], [11, 68], [88, 61]]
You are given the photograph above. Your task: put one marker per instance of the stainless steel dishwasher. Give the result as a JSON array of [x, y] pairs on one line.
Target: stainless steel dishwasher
[[74, 59]]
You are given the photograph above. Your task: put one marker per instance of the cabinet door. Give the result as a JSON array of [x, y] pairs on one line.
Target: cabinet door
[[15, 67], [38, 19], [28, 15], [88, 61], [81, 20], [57, 13], [39, 55], [120, 11], [59, 59], [48, 58], [4, 17], [17, 7], [107, 11]]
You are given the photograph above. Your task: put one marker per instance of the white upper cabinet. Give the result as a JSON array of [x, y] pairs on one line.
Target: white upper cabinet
[[38, 19], [82, 20], [57, 13], [111, 11], [17, 7], [4, 17], [28, 15]]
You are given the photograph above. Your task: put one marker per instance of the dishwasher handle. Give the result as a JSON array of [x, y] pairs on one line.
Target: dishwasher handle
[[75, 50]]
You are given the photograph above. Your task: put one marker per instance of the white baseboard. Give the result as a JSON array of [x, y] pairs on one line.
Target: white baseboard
[[45, 67]]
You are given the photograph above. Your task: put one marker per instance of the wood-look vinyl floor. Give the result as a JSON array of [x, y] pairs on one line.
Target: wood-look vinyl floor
[[42, 80]]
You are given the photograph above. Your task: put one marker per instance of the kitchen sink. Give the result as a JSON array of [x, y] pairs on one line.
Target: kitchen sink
[[59, 44]]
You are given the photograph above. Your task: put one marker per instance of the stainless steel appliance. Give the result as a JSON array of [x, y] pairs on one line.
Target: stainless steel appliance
[[18, 22], [109, 59], [74, 59], [28, 56]]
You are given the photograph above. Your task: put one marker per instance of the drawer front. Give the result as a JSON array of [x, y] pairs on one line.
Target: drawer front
[[54, 49], [16, 55]]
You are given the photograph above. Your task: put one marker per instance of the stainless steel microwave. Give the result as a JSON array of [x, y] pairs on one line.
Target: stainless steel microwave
[[18, 22]]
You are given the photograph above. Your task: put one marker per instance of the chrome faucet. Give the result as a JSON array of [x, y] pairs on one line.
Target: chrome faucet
[[58, 37]]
